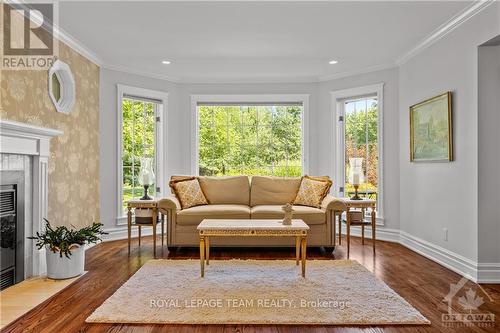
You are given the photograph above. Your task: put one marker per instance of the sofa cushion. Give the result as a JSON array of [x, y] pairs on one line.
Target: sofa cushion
[[233, 190], [312, 191], [176, 178], [273, 190], [194, 215], [310, 215], [188, 192]]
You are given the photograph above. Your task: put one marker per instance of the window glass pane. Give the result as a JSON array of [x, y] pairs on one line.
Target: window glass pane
[[251, 140], [138, 140], [361, 146], [265, 115]]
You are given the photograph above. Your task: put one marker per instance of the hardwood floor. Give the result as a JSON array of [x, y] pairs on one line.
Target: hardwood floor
[[420, 281]]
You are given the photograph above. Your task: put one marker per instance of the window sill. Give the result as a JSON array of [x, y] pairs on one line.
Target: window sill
[[121, 221]]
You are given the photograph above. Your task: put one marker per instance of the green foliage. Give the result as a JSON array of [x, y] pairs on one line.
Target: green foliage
[[61, 238], [137, 136], [361, 134], [250, 140]]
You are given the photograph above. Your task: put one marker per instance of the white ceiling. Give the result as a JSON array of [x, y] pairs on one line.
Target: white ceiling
[[252, 41]]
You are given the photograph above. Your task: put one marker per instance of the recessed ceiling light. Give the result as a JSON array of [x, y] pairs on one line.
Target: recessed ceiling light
[[333, 62], [166, 62]]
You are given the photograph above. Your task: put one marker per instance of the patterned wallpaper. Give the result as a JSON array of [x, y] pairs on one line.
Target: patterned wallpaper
[[74, 160]]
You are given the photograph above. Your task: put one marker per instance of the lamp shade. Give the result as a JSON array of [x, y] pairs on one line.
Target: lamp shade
[[146, 174], [356, 175]]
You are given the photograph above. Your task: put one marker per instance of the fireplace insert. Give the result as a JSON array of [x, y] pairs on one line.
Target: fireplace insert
[[11, 228]]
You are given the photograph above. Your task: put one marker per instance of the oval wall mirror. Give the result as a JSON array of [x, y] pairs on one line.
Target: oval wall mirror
[[61, 87]]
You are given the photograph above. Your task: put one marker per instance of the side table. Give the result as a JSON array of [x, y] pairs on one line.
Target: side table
[[144, 204], [352, 220]]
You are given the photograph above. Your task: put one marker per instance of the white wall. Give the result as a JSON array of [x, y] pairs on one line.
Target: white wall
[[326, 130], [108, 144], [489, 154], [445, 195]]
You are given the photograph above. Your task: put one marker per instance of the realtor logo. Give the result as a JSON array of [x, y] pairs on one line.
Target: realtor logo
[[470, 302], [28, 39]]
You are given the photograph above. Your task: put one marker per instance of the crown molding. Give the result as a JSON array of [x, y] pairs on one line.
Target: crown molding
[[76, 45], [59, 33], [357, 72], [222, 80], [456, 21], [147, 74]]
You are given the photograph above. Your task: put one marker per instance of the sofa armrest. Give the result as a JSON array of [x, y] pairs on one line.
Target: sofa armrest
[[332, 203], [169, 203]]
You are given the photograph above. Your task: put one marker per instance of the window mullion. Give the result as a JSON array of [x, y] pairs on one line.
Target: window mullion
[[133, 149], [366, 147]]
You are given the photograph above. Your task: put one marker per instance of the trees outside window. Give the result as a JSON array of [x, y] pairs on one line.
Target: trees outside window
[[138, 140], [361, 132], [250, 140]]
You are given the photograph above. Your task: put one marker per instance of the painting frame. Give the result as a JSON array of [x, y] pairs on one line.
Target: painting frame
[[443, 104]]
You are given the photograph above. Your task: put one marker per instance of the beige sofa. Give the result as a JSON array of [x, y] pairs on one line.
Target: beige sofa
[[239, 197]]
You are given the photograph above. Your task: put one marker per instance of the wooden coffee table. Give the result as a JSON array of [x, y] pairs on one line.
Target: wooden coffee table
[[252, 228]]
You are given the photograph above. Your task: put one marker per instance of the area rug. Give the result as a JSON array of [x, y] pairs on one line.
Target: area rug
[[334, 292]]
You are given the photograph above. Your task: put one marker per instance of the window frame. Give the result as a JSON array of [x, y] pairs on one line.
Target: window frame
[[242, 99], [338, 99], [160, 142]]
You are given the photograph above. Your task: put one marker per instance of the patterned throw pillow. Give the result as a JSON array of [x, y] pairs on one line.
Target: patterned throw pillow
[[312, 191], [189, 192]]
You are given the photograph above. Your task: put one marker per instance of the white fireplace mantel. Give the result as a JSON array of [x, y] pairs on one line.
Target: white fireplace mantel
[[25, 139]]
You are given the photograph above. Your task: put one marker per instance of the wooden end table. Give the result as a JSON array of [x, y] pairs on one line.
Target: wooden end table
[[252, 228], [144, 204], [363, 205]]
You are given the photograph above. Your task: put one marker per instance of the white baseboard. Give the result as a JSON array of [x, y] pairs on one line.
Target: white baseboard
[[477, 272], [444, 257], [488, 273]]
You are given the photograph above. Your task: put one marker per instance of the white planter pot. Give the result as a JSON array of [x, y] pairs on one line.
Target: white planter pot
[[64, 268]]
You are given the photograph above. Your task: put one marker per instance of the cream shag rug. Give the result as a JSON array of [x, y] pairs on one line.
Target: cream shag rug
[[334, 292]]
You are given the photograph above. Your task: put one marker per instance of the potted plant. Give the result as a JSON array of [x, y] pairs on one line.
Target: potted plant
[[65, 248]]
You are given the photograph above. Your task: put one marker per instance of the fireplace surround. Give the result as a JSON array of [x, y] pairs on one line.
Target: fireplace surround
[[32, 143]]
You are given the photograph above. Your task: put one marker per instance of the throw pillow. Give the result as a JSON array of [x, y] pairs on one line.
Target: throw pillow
[[312, 191], [188, 192]]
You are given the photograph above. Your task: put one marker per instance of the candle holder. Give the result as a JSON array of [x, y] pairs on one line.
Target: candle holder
[[146, 176], [146, 196], [356, 195]]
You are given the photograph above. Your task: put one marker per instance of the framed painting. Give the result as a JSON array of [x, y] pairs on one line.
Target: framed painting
[[431, 134]]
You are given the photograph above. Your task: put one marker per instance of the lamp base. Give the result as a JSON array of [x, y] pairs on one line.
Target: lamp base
[[146, 196], [356, 196]]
